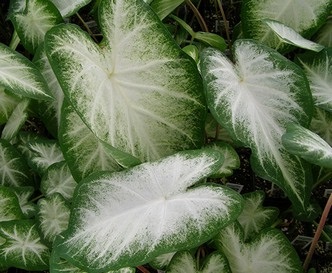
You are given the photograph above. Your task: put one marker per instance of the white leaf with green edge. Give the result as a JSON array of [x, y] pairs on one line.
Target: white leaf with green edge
[[8, 103], [23, 195], [58, 179], [254, 99], [270, 251], [19, 76], [49, 110], [53, 216], [31, 25], [23, 247], [16, 6], [60, 265], [126, 218], [9, 207], [140, 92], [162, 261], [44, 153], [254, 217], [321, 124], [14, 171], [16, 120], [318, 68], [68, 8], [324, 34], [83, 151], [184, 262], [290, 36], [164, 7], [304, 16], [230, 157], [308, 145]]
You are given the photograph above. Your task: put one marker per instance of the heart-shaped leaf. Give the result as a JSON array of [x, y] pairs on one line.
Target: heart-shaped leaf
[[140, 92], [254, 216], [19, 76], [270, 251], [318, 68], [53, 216], [254, 100], [23, 247], [304, 16], [31, 25], [126, 218], [308, 145], [184, 262], [58, 179]]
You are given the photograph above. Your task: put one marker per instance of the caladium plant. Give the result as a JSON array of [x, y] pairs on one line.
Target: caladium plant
[[118, 129]]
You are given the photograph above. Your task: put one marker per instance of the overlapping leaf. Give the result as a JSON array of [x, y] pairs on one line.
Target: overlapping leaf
[[126, 218], [254, 100], [19, 76], [139, 92]]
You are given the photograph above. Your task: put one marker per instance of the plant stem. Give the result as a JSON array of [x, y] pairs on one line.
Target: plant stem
[[198, 16], [318, 233], [14, 41], [86, 26], [225, 23], [142, 269]]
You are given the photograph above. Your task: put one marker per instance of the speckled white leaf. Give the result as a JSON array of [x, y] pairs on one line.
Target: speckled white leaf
[[126, 218], [140, 92], [230, 157], [23, 247], [58, 179], [53, 216], [290, 36], [304, 16], [308, 145], [20, 76], [43, 154], [83, 151], [14, 171], [318, 68], [49, 112], [254, 216], [184, 262], [270, 251], [23, 195], [31, 25], [254, 99], [16, 120], [9, 207], [7, 104]]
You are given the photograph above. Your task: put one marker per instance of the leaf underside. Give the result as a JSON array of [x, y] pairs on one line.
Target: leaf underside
[[304, 16]]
